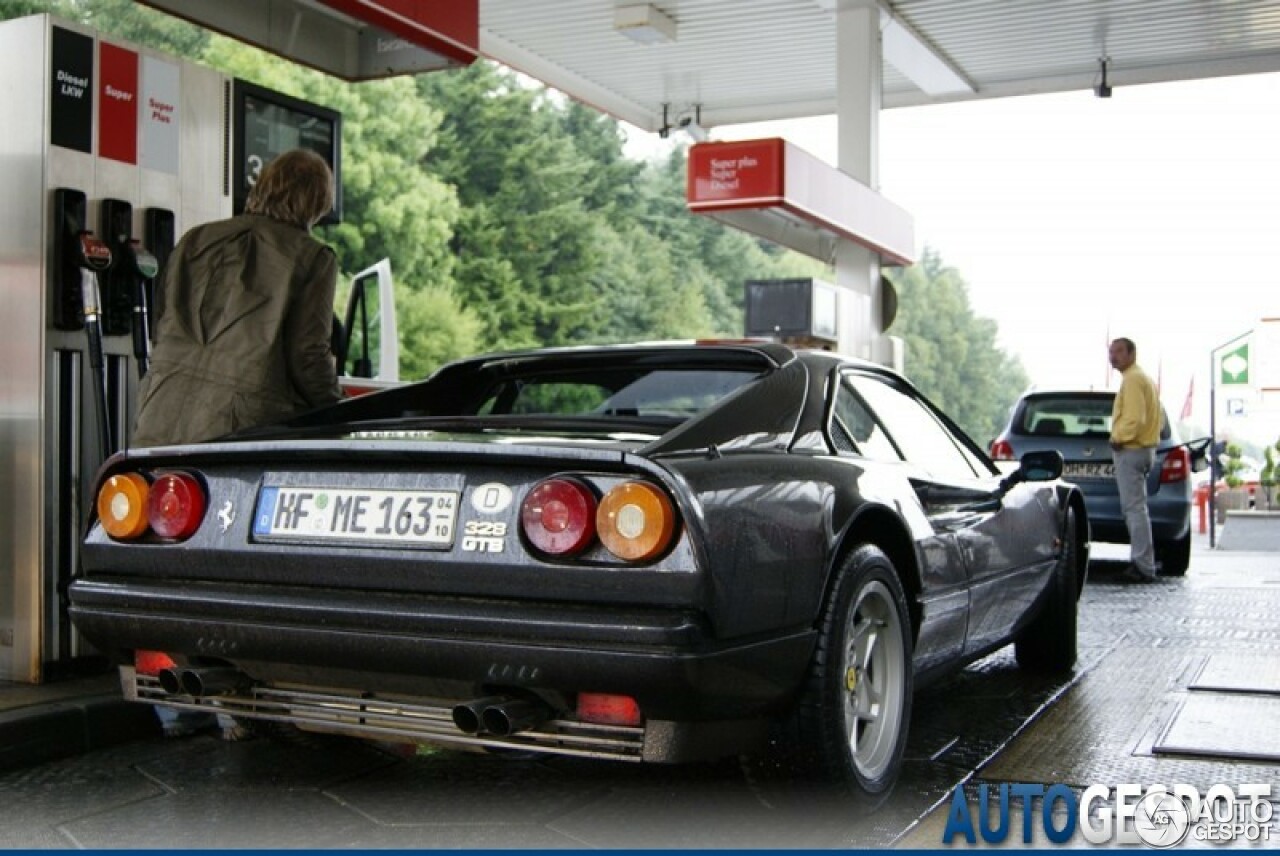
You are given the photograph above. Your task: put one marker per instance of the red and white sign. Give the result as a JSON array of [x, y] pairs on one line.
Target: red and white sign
[[736, 175], [754, 182], [159, 114], [117, 103]]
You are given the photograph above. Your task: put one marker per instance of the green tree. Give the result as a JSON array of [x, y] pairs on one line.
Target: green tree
[[528, 244], [952, 354], [124, 19], [648, 297], [611, 185], [440, 328]]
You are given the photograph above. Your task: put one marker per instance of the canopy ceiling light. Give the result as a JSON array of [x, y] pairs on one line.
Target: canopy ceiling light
[[643, 23]]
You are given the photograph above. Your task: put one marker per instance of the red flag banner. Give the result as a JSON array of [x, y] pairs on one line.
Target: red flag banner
[[1186, 405]]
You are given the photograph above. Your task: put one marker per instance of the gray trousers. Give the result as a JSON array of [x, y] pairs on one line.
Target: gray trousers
[[1132, 467]]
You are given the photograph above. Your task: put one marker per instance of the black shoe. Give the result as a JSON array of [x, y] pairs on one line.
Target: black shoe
[[1131, 574]]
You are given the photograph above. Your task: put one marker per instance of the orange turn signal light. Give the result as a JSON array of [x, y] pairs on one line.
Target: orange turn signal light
[[635, 521], [122, 506]]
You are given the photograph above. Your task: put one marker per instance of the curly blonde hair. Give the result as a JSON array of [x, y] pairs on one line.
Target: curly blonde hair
[[296, 187]]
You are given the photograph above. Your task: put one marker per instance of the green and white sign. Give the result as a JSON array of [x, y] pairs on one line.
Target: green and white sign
[[1234, 366]]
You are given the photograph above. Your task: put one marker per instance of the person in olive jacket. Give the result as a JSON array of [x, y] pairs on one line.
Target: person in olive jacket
[[245, 314]]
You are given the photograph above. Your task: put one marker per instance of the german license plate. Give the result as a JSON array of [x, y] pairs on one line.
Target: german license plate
[[408, 518], [1089, 470]]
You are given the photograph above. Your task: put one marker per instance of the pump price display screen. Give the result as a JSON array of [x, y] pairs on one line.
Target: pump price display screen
[[266, 124], [405, 518], [272, 129]]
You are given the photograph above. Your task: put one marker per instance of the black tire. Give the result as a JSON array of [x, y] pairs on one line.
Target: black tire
[[1175, 556], [856, 706], [1048, 644]]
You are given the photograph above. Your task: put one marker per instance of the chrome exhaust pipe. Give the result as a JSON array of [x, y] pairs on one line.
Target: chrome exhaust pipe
[[514, 715], [215, 681], [467, 716], [170, 680]]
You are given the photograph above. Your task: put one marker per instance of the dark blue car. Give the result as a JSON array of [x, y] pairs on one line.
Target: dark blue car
[[1077, 423]]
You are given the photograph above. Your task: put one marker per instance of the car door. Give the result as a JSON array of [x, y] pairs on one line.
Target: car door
[[368, 352], [1003, 542], [857, 434]]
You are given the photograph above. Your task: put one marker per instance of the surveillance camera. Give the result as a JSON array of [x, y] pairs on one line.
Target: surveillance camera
[[691, 127]]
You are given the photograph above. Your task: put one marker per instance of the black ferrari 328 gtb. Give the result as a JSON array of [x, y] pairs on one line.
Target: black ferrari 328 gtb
[[645, 553]]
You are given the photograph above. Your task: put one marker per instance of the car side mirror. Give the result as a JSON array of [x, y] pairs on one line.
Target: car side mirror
[[1043, 465]]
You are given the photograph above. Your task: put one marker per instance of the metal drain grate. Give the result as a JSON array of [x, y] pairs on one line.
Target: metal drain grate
[[1239, 673], [1230, 726]]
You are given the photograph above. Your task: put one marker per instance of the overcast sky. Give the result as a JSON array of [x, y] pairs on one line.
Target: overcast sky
[[1154, 214]]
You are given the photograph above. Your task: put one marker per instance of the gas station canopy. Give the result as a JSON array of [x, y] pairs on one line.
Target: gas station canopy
[[758, 60], [717, 62]]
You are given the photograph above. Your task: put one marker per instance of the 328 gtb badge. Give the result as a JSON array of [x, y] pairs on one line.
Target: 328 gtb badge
[[484, 536]]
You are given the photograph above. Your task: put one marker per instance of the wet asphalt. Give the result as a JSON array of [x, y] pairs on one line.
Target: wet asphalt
[[1142, 648]]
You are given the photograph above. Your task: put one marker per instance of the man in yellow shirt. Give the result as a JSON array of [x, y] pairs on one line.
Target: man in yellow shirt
[[1135, 431]]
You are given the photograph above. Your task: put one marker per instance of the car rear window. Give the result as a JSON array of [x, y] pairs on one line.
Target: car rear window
[[1067, 416], [637, 393], [1070, 416]]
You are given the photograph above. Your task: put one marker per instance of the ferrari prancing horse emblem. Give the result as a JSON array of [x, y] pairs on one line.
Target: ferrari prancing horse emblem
[[227, 515]]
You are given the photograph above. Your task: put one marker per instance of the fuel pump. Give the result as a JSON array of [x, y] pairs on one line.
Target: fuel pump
[[95, 257], [127, 143], [69, 222], [116, 284], [147, 266]]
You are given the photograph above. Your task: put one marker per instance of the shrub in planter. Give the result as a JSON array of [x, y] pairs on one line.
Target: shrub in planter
[[1268, 475]]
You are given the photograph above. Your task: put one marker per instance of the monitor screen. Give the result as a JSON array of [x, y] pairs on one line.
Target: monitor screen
[[268, 123]]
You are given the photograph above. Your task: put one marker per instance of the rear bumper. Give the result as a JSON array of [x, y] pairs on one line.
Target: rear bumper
[[391, 718], [664, 658], [1162, 529], [1170, 518]]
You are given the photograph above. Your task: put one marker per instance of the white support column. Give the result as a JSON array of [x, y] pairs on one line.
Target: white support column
[[858, 127]]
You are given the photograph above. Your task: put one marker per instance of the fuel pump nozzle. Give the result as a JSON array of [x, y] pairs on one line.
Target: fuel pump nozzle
[[147, 266], [95, 257]]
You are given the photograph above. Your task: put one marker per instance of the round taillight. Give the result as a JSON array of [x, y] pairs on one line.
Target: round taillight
[[176, 505], [636, 521], [559, 516], [122, 506]]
